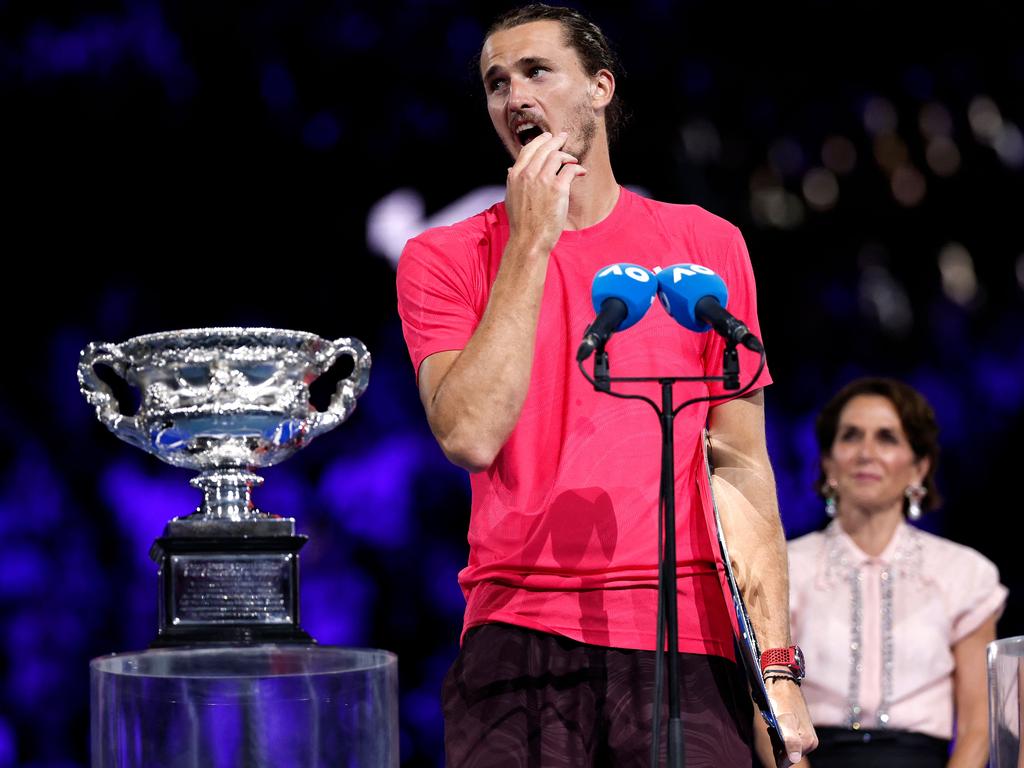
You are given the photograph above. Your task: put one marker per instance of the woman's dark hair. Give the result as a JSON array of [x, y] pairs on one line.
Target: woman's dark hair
[[916, 417], [583, 36]]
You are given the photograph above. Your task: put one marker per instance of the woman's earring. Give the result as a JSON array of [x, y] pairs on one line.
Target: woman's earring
[[830, 491], [915, 493]]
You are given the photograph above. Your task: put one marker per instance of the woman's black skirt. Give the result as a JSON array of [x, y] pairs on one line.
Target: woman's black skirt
[[844, 748]]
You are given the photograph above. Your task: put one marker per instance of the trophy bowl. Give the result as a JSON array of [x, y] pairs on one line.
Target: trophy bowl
[[213, 398]]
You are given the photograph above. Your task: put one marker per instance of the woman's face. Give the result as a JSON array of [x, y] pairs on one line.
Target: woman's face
[[871, 460]]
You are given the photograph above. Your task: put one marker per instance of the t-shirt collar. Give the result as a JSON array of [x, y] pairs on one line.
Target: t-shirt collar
[[605, 226]]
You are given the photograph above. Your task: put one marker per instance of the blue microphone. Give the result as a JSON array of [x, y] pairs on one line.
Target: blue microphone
[[622, 294], [696, 298]]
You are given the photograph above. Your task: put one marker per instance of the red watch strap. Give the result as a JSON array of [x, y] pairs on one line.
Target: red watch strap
[[785, 657]]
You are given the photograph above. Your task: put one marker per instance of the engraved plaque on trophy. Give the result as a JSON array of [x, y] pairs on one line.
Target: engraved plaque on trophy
[[225, 402]]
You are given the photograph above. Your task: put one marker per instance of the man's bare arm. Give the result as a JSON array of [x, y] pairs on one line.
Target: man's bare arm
[[757, 546], [473, 397]]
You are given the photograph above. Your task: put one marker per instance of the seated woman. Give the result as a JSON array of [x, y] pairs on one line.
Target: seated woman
[[893, 621]]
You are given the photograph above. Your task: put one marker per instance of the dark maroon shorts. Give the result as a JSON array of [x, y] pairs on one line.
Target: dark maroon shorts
[[516, 697]]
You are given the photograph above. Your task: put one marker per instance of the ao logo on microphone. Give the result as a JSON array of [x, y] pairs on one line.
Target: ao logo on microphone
[[639, 274], [679, 271]]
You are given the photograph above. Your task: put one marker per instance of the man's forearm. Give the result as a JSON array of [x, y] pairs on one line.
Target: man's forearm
[[757, 547], [478, 401]]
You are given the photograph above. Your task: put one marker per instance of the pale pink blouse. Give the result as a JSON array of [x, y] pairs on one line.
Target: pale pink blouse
[[877, 632]]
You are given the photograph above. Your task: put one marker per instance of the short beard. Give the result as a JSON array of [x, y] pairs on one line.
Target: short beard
[[588, 130]]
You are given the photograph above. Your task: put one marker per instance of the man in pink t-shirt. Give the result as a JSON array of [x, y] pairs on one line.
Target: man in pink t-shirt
[[561, 586]]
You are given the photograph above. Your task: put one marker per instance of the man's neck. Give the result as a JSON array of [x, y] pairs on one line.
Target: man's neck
[[593, 197]]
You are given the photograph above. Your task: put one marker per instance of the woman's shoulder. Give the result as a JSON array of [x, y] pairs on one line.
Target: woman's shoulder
[[967, 580], [965, 576], [946, 552]]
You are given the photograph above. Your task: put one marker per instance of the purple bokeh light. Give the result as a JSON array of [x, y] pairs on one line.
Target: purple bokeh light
[[947, 403], [335, 607], [443, 586], [143, 503], [283, 493], [24, 572], [463, 38], [35, 497], [100, 42], [358, 32], [8, 745], [371, 495], [794, 453], [321, 131], [277, 86], [998, 377], [36, 676]]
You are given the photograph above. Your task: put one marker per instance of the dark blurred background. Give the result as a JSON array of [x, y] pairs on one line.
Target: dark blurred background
[[173, 165]]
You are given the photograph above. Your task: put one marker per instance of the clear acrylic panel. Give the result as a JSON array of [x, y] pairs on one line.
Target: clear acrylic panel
[[268, 706], [1006, 707]]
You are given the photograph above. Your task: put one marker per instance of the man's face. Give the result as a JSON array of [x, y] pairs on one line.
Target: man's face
[[534, 83]]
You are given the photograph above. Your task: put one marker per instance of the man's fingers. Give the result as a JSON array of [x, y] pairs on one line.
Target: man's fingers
[[789, 730], [537, 151], [569, 173], [529, 150], [555, 160]]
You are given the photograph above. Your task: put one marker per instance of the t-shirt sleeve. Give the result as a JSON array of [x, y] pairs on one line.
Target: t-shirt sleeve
[[437, 296], [738, 275], [977, 593]]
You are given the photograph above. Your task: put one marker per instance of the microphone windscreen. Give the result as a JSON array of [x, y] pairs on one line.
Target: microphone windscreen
[[634, 285], [681, 286]]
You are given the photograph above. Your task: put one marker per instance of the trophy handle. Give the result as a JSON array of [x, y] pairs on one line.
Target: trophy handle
[[343, 401], [99, 394]]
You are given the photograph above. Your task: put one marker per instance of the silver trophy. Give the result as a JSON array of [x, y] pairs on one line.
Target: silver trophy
[[224, 401]]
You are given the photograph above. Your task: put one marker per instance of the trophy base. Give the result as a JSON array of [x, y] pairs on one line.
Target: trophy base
[[267, 706], [241, 634], [225, 582]]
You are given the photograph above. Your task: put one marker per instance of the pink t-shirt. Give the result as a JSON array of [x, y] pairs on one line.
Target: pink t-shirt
[[563, 527], [896, 616]]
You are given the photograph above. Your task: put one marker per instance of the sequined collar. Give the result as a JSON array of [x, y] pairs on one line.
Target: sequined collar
[[902, 554]]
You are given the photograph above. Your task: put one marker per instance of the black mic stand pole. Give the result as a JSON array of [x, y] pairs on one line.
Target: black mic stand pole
[[670, 594]]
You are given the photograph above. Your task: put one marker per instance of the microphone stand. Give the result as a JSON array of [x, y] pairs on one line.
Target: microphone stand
[[668, 595]]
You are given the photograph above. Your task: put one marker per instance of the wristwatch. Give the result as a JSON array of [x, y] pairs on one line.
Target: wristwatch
[[791, 657]]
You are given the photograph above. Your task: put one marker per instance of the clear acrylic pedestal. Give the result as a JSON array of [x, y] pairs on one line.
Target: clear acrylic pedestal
[[1005, 702], [265, 706]]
